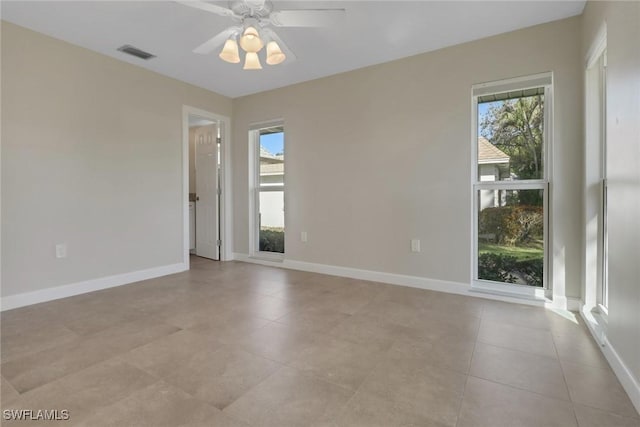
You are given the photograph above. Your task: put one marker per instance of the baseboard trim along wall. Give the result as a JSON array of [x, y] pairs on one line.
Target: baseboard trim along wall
[[49, 294], [44, 295], [629, 382], [406, 280]]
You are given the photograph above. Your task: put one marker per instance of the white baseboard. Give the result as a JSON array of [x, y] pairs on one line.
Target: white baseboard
[[629, 382], [354, 273], [57, 292], [395, 279], [378, 276]]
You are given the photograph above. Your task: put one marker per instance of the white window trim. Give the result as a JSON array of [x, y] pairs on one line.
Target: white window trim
[[598, 46], [595, 282], [603, 292], [255, 190], [602, 296], [519, 83]]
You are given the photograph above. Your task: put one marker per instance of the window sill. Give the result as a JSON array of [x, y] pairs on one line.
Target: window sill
[[507, 289]]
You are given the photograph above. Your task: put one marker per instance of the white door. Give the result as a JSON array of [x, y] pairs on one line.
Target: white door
[[207, 192]]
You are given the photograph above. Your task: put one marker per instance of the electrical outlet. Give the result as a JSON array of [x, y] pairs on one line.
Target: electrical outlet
[[415, 245], [61, 250], [303, 236]]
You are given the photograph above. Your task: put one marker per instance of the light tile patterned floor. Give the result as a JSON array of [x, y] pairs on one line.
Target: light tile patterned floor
[[235, 344]]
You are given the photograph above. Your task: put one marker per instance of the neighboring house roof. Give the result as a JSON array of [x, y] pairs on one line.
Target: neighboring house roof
[[272, 169], [267, 157], [489, 153], [264, 152]]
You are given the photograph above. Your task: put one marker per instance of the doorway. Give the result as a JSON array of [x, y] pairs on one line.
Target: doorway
[[205, 181]]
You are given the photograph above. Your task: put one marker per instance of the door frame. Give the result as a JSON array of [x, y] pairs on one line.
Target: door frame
[[225, 206]]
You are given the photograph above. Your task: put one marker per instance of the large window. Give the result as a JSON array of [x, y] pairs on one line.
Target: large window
[[269, 191], [512, 124]]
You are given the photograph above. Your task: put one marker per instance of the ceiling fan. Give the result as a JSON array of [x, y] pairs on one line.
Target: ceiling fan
[[254, 19]]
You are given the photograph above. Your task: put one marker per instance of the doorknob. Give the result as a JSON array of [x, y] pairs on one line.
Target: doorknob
[[197, 198]]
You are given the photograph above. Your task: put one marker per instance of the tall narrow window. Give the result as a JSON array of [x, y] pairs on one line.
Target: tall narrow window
[[603, 294], [595, 260], [269, 190], [597, 165], [512, 124]]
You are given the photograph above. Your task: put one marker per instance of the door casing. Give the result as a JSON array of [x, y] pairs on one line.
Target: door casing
[[225, 207]]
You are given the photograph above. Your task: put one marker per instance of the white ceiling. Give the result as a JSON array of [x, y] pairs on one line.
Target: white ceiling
[[372, 32]]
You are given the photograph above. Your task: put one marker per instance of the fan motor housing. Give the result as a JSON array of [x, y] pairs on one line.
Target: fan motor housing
[[251, 8]]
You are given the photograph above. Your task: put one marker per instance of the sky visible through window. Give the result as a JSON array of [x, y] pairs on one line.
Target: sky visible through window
[[483, 108], [273, 143]]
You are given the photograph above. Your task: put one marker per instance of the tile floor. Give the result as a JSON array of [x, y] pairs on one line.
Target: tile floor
[[234, 344]]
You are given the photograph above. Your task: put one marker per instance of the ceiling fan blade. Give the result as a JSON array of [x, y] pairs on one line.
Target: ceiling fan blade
[[306, 17], [216, 41], [271, 35], [208, 7]]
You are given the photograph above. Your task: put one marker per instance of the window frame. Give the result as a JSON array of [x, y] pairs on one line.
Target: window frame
[[544, 80], [595, 170], [603, 291], [255, 189]]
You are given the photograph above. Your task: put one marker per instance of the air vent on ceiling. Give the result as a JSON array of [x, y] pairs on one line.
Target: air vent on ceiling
[[128, 49]]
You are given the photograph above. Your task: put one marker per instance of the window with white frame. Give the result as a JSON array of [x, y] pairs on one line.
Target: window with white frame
[[268, 183], [603, 293], [596, 245], [512, 124]]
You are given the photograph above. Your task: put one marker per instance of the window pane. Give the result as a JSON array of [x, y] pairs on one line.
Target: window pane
[[271, 221], [511, 236], [271, 190], [511, 136], [271, 157]]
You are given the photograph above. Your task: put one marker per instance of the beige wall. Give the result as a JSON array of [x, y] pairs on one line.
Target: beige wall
[[91, 156], [381, 155], [623, 166]]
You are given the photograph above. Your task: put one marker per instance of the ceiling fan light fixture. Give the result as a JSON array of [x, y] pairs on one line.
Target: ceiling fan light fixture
[[229, 52], [252, 29], [252, 62], [251, 41], [274, 54]]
